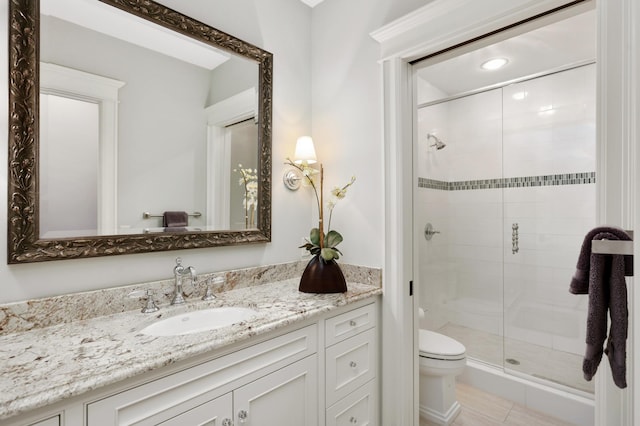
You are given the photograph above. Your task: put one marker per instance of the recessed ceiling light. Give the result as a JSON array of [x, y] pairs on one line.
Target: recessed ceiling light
[[494, 64]]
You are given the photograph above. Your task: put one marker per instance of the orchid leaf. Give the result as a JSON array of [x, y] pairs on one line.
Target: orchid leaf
[[307, 246], [328, 254], [314, 236], [333, 239]]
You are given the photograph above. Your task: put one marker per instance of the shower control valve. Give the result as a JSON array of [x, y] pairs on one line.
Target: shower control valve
[[429, 232]]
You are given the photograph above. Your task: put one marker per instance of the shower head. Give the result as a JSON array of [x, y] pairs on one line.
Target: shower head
[[439, 144]]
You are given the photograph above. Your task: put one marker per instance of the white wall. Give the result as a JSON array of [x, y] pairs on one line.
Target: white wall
[[347, 115], [279, 26], [335, 49]]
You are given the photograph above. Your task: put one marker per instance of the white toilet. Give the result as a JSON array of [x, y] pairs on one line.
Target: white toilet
[[441, 360]]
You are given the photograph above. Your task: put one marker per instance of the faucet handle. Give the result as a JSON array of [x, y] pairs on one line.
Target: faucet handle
[[151, 306], [208, 295]]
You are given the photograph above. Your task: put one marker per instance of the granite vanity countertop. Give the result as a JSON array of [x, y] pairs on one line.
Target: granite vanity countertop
[[43, 366]]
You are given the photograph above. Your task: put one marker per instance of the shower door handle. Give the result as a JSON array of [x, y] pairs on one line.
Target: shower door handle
[[514, 238]]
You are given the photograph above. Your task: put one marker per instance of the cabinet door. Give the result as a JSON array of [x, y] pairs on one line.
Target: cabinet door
[[287, 397], [217, 412], [53, 421]]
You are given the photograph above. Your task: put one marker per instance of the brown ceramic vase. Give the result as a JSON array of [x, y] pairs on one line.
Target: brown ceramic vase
[[321, 276]]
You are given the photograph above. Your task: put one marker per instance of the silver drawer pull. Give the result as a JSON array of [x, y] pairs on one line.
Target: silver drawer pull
[[353, 364], [352, 323], [226, 422], [242, 415], [353, 420]]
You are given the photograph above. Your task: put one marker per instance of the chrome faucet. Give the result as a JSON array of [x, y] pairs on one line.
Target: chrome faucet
[[179, 272]]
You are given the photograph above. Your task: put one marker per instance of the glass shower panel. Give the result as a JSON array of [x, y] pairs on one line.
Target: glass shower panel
[[459, 195], [549, 195]]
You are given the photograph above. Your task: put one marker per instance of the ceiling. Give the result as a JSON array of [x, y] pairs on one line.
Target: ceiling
[[112, 22], [312, 3], [557, 45]]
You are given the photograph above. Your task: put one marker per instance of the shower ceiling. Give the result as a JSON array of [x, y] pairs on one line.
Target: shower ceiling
[[569, 41], [311, 3]]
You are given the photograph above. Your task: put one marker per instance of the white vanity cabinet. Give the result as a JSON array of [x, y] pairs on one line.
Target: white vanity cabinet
[[351, 368], [322, 371], [257, 383]]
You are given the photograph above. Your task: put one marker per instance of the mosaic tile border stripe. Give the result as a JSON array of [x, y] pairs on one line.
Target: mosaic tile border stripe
[[516, 182]]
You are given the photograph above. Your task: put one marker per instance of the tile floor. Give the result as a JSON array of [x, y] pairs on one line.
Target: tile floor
[[544, 363], [483, 409]]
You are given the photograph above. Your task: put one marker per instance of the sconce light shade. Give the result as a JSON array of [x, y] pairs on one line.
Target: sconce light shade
[[305, 151], [305, 154]]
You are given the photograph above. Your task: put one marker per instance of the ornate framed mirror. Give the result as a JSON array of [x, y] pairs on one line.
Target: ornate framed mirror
[[99, 165]]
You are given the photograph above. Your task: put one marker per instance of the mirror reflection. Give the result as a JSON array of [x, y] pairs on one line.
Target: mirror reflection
[[149, 119], [163, 128]]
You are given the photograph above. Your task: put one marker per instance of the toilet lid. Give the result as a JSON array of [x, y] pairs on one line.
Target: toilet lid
[[439, 344]]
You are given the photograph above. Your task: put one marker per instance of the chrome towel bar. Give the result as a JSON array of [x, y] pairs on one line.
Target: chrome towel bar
[[147, 215], [613, 246]]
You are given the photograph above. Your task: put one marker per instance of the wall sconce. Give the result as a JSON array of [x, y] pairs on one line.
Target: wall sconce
[[305, 154]]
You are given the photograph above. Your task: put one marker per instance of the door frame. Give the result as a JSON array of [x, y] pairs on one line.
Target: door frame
[[429, 30]]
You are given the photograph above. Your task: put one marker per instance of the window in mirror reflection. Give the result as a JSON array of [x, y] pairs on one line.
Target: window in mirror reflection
[[244, 184]]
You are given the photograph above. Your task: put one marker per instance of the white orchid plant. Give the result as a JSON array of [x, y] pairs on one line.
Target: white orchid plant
[[318, 242], [249, 179]]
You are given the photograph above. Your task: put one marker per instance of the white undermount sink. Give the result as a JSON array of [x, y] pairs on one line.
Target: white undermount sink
[[198, 321]]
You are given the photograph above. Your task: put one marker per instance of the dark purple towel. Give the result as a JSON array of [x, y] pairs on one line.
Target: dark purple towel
[[175, 219], [602, 276]]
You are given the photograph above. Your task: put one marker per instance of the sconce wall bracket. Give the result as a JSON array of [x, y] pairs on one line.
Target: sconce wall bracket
[[291, 179]]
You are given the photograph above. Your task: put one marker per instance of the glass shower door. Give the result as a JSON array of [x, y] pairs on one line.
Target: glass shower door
[[549, 205], [459, 194]]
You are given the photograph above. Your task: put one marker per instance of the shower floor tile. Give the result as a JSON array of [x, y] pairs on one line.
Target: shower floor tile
[[540, 362], [484, 409]]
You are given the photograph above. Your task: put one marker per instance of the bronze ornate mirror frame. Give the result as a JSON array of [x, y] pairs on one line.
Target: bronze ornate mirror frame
[[24, 243]]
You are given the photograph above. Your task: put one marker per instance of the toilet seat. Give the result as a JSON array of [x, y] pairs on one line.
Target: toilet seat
[[438, 346]]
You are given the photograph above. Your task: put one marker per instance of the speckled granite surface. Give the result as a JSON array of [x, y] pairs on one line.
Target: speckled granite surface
[[30, 314], [45, 359]]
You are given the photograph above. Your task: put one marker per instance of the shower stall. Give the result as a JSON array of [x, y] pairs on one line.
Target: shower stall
[[505, 192]]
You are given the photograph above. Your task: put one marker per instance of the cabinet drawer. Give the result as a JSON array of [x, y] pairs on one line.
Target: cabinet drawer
[[350, 364], [359, 408], [349, 324]]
